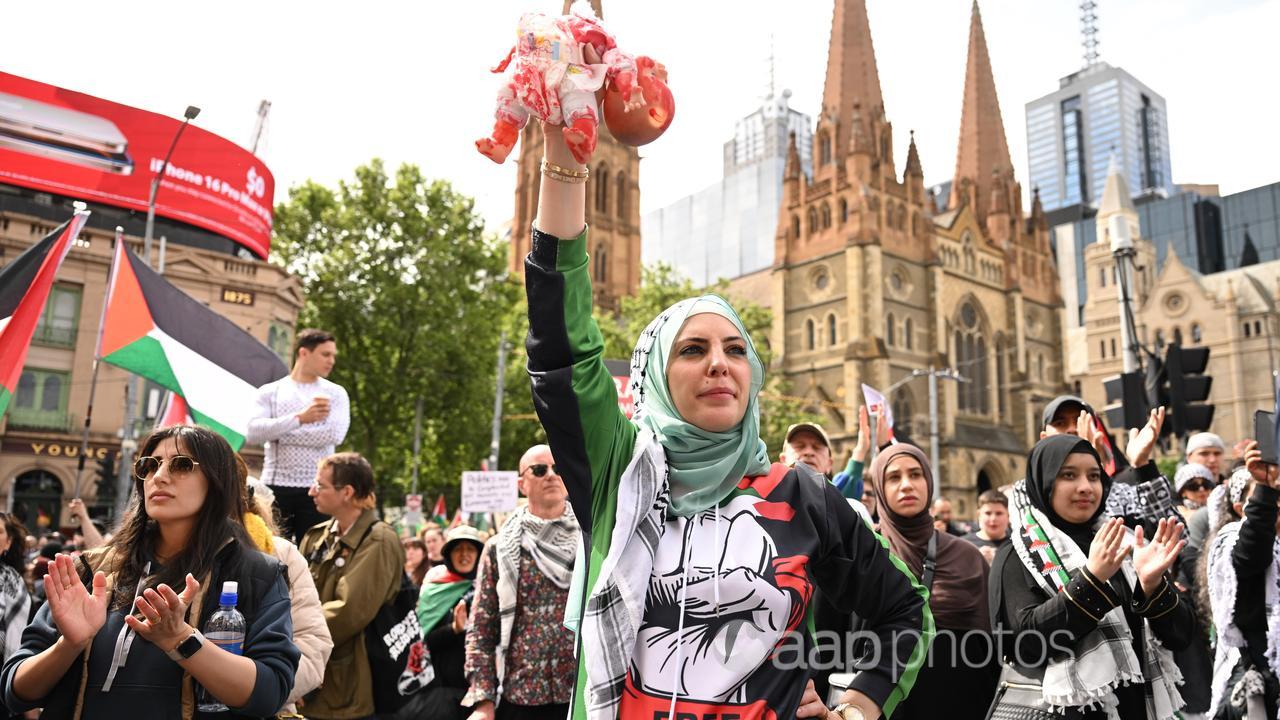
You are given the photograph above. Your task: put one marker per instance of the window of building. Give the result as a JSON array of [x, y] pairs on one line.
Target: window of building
[[906, 333], [1102, 349], [1177, 336], [824, 148], [600, 265], [1074, 166], [826, 216], [1160, 343], [888, 330], [622, 196], [1248, 330], [37, 499], [41, 400], [795, 226], [971, 357], [1196, 335], [602, 190], [813, 220], [60, 319], [1257, 328], [844, 211], [280, 340], [1102, 276], [1113, 347], [831, 329], [1040, 368], [1001, 376], [809, 332]]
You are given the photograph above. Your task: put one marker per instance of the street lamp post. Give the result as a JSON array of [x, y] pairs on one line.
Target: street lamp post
[[128, 441], [934, 374], [188, 116]]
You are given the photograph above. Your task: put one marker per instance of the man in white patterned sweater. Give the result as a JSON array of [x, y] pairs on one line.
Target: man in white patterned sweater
[[301, 419]]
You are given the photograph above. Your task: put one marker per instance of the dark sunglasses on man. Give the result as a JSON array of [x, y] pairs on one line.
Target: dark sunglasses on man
[[145, 467], [540, 469]]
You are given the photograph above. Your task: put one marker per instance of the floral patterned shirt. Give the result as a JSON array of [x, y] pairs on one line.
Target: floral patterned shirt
[[540, 665]]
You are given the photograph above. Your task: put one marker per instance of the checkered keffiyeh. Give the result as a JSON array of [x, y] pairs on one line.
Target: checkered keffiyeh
[[552, 544], [1104, 659], [1231, 645]]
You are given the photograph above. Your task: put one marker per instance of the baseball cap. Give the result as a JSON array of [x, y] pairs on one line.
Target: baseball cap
[[1063, 401], [814, 428]]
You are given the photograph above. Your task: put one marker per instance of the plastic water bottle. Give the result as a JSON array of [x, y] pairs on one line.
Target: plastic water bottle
[[226, 630]]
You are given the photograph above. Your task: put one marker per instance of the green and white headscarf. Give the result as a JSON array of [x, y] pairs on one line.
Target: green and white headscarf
[[704, 466]]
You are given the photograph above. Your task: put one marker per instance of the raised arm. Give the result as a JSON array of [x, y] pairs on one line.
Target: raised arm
[[573, 392]]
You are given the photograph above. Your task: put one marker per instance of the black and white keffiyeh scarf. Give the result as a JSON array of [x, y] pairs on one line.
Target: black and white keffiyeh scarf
[[552, 544], [15, 605], [1104, 659], [1222, 597]]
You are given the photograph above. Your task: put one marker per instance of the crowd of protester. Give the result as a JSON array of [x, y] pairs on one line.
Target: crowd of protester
[[658, 566]]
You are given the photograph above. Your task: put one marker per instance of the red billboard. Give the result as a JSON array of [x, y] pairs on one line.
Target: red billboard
[[67, 143]]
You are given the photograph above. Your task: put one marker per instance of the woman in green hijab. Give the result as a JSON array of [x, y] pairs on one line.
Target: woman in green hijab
[[699, 557]]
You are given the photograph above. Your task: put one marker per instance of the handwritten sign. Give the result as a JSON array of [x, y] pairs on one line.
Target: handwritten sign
[[489, 491]]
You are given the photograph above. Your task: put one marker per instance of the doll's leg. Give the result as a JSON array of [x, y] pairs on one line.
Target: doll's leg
[[580, 121], [511, 118]]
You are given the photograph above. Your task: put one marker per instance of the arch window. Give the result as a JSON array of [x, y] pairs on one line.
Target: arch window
[[831, 329], [1102, 276], [1248, 330], [795, 226], [1113, 347], [1160, 343], [1002, 376], [1102, 349], [809, 332], [602, 190], [889, 324], [1196, 334], [600, 265], [826, 216], [844, 210], [621, 205], [1177, 336], [813, 220], [1257, 328], [824, 148], [972, 361], [37, 499], [906, 333]]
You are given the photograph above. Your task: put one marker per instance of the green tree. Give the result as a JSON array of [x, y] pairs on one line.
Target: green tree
[[401, 271]]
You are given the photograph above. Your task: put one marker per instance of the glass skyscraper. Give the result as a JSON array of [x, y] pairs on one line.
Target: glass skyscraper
[[1072, 133], [727, 230]]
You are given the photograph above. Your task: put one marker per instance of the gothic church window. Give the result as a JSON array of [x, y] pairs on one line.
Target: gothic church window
[[831, 329], [622, 196], [600, 265], [795, 227], [844, 211], [1196, 334], [888, 330], [813, 220], [602, 190], [906, 333], [809, 333], [826, 216], [824, 148], [971, 360]]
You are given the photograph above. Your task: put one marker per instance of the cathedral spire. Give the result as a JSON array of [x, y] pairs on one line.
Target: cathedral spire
[[851, 68], [913, 159], [983, 150]]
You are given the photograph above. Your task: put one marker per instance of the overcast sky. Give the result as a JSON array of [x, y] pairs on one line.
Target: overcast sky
[[408, 81]]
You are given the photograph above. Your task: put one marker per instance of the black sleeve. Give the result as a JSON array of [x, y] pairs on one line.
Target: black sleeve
[[269, 644], [448, 653], [859, 574], [1044, 626], [39, 636], [1252, 557], [1169, 612]]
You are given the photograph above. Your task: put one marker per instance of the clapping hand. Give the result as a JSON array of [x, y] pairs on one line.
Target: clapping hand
[[863, 445], [1087, 429], [460, 616], [1142, 442], [1152, 560], [1108, 550], [165, 612], [77, 614]]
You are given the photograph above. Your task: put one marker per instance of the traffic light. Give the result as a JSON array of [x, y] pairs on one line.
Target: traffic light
[[1126, 400], [1156, 386], [105, 479], [1188, 388]]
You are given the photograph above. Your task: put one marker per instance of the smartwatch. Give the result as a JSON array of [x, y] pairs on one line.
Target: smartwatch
[[848, 711], [187, 647]]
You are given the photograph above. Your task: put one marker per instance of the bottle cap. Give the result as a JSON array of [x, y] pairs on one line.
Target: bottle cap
[[230, 593]]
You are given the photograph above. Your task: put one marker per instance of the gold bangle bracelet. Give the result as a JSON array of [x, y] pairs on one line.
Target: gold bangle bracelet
[[569, 179], [583, 173]]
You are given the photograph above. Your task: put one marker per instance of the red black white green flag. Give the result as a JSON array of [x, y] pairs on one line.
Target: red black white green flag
[[155, 330], [24, 287]]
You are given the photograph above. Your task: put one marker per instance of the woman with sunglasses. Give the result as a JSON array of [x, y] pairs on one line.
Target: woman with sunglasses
[[1193, 482], [700, 558], [119, 637], [15, 601]]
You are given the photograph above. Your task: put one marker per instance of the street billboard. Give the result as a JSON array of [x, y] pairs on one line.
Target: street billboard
[[68, 143]]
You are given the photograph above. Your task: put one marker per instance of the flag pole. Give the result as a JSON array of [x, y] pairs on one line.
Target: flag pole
[[97, 361]]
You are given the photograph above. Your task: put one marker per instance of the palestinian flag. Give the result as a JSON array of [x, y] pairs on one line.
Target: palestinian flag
[[155, 330], [24, 287], [440, 513], [173, 412]]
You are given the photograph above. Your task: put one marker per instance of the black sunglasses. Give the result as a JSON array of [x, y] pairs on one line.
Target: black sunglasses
[[1198, 485], [144, 467], [540, 470]]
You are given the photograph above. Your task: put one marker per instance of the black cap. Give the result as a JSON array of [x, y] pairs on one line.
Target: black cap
[[1062, 401]]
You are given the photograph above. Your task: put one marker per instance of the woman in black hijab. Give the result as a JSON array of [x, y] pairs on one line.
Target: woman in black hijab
[[1090, 610]]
